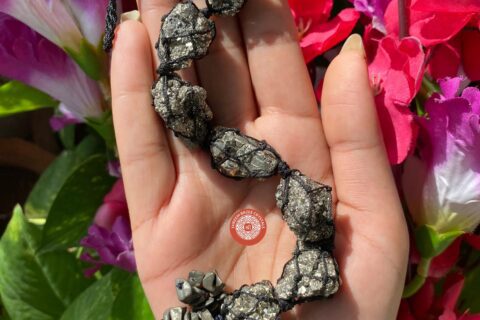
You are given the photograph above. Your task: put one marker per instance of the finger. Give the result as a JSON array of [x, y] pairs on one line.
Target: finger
[[359, 161], [152, 12], [279, 74], [142, 145], [224, 74]]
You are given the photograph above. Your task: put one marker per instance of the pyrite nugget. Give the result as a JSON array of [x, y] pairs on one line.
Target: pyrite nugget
[[202, 291], [225, 7], [306, 206], [177, 313], [255, 302], [185, 34], [239, 156], [183, 107], [311, 274]]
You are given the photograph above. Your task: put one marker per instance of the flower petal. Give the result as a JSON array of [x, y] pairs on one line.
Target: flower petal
[[310, 11], [470, 53], [445, 59], [460, 6], [398, 128], [429, 27], [90, 15], [50, 18], [396, 70], [28, 57], [374, 9], [325, 36]]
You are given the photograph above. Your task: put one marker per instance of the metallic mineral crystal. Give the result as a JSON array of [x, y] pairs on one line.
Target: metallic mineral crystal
[[178, 313], [238, 156], [185, 34], [183, 107], [255, 302], [225, 7], [306, 206], [310, 275]]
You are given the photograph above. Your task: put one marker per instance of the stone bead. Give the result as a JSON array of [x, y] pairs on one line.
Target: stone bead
[[306, 206], [239, 156], [225, 7], [185, 34], [177, 313], [183, 107], [254, 302], [311, 274]]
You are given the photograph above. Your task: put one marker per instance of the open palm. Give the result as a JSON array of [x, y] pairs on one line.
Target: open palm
[[257, 81]]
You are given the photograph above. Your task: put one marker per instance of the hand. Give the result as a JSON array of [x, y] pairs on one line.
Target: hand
[[257, 81]]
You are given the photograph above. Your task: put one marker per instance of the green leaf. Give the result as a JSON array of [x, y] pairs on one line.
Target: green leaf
[[131, 303], [104, 127], [43, 195], [76, 203], [35, 286], [96, 302], [431, 243], [17, 97]]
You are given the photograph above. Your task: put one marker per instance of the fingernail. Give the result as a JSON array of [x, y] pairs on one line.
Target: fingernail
[[354, 43], [131, 15]]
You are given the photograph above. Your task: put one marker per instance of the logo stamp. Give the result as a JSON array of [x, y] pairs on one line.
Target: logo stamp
[[248, 227]]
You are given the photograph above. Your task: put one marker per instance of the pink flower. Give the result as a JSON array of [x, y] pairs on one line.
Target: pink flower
[[443, 187], [28, 57], [114, 205], [396, 70], [65, 23], [448, 28], [317, 34]]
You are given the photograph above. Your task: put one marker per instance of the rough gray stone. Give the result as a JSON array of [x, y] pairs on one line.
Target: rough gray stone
[[306, 206], [255, 302], [239, 156], [311, 274], [225, 7], [183, 107], [185, 34]]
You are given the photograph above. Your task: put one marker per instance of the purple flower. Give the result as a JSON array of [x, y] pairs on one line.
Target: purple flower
[[374, 9], [110, 237], [65, 118], [449, 197], [50, 18], [28, 57], [114, 169], [111, 247]]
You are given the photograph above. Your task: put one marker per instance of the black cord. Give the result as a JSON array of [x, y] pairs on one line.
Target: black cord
[[111, 20]]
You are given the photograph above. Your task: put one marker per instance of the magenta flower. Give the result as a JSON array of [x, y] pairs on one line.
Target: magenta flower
[[374, 9], [396, 71], [63, 119], [109, 239], [28, 57], [110, 247], [317, 33], [449, 197], [50, 18]]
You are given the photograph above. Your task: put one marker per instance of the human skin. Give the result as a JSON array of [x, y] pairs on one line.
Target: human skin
[[257, 81]]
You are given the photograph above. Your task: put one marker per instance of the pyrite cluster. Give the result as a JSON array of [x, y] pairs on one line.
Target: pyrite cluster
[[306, 205]]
